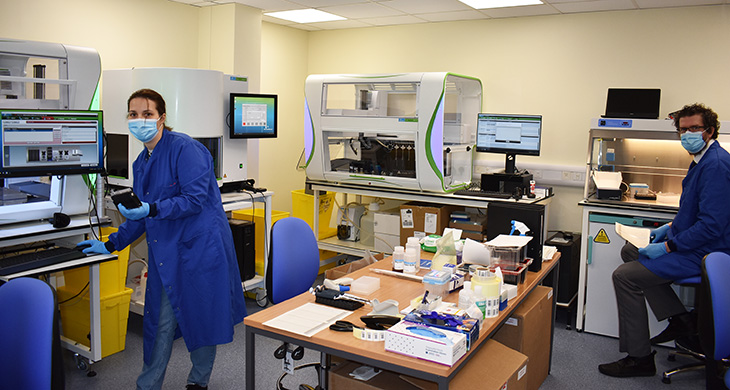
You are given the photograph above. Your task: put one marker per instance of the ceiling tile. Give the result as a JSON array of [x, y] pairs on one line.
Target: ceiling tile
[[527, 10], [360, 11], [674, 3], [326, 3], [451, 16], [426, 6], [274, 20], [393, 20], [270, 5], [594, 6]]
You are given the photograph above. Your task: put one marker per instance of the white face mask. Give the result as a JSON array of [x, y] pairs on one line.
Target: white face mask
[[143, 129]]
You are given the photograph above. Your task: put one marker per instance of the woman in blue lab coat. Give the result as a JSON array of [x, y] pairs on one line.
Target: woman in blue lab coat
[[193, 286]]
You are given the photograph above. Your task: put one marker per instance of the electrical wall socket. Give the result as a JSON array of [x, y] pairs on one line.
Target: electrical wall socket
[[566, 176]]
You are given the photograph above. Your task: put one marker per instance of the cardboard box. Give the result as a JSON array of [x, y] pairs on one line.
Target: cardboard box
[[493, 367], [418, 340], [340, 379], [528, 331], [421, 219]]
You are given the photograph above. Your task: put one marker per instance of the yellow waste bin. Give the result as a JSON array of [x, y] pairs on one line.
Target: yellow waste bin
[[303, 207], [112, 273]]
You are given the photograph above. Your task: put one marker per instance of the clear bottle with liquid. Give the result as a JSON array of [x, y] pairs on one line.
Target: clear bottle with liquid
[[415, 244]]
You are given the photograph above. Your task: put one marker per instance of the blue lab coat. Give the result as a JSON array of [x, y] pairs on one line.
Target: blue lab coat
[[702, 224], [190, 246]]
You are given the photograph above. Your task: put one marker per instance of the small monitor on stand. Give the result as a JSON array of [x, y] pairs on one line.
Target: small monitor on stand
[[509, 134]]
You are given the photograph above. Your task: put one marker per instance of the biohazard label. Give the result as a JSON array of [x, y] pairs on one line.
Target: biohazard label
[[602, 237]]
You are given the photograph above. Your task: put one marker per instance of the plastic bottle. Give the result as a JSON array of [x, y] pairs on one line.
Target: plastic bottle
[[480, 299], [367, 225], [410, 260], [399, 254], [488, 283], [466, 298], [415, 243]]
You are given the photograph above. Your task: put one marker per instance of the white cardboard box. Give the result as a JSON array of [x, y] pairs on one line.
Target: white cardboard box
[[386, 242], [387, 223], [427, 343]]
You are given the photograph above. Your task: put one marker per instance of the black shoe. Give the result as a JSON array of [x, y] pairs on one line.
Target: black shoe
[[679, 326], [195, 387], [630, 366]]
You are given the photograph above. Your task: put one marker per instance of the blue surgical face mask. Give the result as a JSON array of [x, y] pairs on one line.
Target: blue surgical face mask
[[143, 129], [692, 142]]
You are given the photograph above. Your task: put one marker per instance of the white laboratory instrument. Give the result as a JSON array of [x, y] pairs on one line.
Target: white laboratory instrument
[[47, 76], [412, 131], [197, 102]]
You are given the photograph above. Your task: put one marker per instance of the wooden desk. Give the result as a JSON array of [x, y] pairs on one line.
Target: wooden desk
[[344, 345]]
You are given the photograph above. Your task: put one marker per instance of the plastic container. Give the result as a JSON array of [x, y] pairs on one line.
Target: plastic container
[[399, 254], [367, 225], [365, 285], [257, 216], [303, 207], [112, 273], [488, 283], [506, 257], [515, 276], [414, 242], [437, 283], [410, 261], [114, 313]]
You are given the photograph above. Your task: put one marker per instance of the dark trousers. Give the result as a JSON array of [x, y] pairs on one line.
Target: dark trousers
[[633, 284]]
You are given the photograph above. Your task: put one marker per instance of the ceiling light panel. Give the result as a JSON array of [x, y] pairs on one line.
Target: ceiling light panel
[[482, 4], [305, 16]]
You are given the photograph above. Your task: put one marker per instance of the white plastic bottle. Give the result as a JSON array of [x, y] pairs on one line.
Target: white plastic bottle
[[399, 254], [415, 243], [367, 225], [480, 299], [410, 260]]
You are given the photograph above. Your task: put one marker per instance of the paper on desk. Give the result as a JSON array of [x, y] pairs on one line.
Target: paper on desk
[[638, 236], [307, 319]]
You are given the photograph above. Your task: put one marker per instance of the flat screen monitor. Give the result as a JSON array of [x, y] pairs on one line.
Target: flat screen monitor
[[51, 142], [253, 115], [633, 103], [510, 134]]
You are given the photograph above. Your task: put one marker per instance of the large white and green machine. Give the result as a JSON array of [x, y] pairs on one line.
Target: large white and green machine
[[411, 131]]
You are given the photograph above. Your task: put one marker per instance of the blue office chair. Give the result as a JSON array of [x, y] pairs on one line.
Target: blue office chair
[[293, 259], [714, 319], [26, 334], [690, 346]]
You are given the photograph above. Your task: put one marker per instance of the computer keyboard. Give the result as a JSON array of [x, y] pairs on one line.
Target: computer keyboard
[[41, 258], [483, 194]]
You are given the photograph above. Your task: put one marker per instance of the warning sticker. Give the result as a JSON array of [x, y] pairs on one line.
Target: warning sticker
[[602, 237]]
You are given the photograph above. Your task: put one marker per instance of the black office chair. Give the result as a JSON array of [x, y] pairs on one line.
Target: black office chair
[[292, 269], [714, 319], [26, 334], [687, 346]]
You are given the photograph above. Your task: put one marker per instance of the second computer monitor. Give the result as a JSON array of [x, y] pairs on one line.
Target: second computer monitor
[[509, 134]]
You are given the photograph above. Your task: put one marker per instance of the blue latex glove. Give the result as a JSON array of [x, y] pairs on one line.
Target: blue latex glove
[[95, 246], [136, 213], [660, 234], [653, 251]]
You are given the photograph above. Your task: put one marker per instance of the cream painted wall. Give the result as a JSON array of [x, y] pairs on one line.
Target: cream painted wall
[[558, 66], [284, 53], [126, 33]]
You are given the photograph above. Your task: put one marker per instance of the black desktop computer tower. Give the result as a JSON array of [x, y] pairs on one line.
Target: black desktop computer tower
[[505, 182], [243, 240], [568, 245], [499, 221]]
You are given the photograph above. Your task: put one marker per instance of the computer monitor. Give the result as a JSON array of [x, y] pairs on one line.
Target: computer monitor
[[510, 134], [51, 142], [253, 115]]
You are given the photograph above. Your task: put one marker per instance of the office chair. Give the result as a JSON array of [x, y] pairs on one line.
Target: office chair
[[26, 334], [293, 259], [687, 346], [292, 269], [714, 319]]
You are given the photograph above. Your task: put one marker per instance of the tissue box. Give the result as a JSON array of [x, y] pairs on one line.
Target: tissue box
[[469, 326], [427, 343]]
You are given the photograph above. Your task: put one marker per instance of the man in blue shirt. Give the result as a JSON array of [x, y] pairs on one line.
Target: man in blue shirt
[[676, 251]]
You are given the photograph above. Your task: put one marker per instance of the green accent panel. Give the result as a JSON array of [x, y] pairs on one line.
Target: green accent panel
[[94, 105], [410, 119], [589, 257], [367, 177], [314, 139]]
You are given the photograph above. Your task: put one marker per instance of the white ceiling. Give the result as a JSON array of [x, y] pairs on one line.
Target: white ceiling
[[369, 13]]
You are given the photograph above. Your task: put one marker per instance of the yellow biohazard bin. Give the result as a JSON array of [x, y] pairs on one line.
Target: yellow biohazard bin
[[303, 207], [112, 273]]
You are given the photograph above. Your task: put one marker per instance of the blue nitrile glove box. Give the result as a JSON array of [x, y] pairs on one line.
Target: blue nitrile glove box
[[470, 326]]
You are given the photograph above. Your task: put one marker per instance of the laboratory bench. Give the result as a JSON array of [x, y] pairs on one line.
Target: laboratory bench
[[344, 345]]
